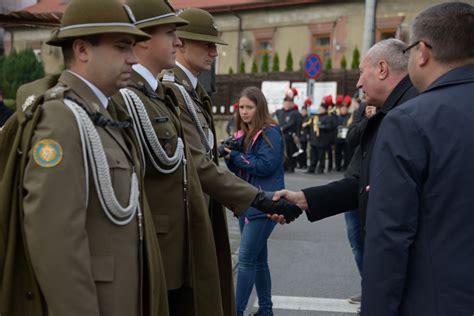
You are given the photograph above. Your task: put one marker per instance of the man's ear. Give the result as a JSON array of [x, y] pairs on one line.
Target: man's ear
[[82, 50], [382, 70], [423, 54]]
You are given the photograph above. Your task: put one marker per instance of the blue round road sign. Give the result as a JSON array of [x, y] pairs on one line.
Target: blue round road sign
[[312, 66]]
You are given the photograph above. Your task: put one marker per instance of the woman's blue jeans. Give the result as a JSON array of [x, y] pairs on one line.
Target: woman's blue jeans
[[253, 263]]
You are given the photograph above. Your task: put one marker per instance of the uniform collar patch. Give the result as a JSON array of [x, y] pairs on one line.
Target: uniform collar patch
[[47, 153]]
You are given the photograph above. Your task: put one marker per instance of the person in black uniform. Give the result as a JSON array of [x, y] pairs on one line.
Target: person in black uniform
[[288, 119], [304, 134], [342, 152], [326, 125]]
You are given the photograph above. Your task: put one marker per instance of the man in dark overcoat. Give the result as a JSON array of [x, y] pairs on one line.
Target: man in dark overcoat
[[419, 249]]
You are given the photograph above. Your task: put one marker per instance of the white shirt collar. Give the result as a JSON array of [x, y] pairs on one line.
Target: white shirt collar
[[192, 78], [147, 75], [100, 95]]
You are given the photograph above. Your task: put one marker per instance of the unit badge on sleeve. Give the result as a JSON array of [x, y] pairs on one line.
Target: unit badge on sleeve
[[47, 153]]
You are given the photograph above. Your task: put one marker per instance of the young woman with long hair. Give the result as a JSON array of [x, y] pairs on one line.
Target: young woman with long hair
[[259, 161]]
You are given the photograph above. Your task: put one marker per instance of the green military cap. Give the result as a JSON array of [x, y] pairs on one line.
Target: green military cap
[[201, 27], [154, 12], [92, 17]]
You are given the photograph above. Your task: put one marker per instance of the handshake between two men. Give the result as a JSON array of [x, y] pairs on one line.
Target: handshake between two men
[[282, 206]]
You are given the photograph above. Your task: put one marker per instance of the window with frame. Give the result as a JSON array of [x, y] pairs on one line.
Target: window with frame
[[388, 27], [383, 34], [321, 45], [264, 46]]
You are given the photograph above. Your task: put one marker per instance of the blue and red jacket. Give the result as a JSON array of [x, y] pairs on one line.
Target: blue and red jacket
[[261, 165]]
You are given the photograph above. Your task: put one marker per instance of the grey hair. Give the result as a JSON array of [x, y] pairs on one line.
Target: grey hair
[[449, 29], [390, 50]]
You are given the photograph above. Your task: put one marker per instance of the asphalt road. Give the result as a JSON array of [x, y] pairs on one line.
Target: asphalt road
[[312, 266]]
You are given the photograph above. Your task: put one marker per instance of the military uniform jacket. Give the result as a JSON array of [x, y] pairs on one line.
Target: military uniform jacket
[[178, 207], [221, 185], [85, 264], [218, 183]]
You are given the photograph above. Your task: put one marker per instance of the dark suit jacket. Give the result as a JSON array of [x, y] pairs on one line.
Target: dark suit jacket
[[352, 192]]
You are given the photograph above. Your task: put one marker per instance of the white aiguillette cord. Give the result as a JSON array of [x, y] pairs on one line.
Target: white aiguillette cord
[[94, 153], [206, 140], [147, 137]]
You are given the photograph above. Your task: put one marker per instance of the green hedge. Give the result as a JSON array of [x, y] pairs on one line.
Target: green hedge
[[17, 69]]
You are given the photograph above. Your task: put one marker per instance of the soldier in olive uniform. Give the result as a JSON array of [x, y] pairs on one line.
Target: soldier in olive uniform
[[88, 229], [197, 53], [172, 185]]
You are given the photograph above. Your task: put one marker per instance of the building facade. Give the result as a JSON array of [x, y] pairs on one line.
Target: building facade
[[330, 28]]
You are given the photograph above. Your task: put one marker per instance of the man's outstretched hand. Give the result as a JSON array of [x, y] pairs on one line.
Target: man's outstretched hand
[[264, 202], [295, 197]]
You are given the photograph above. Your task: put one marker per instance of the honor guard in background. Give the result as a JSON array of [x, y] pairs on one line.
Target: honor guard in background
[[304, 134], [290, 123], [88, 230], [172, 184], [343, 121], [197, 53]]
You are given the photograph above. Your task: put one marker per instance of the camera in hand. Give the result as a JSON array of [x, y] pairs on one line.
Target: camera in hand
[[230, 143]]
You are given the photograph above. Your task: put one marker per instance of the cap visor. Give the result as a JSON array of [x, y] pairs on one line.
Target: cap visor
[[200, 37]]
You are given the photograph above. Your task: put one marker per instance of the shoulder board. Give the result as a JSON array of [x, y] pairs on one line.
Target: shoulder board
[[55, 93]]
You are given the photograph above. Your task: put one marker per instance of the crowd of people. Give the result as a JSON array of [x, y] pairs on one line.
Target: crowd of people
[[314, 137], [112, 198]]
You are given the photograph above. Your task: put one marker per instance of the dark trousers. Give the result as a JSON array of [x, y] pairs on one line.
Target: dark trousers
[[342, 156], [354, 234], [291, 148], [314, 159], [330, 157], [303, 158], [322, 158]]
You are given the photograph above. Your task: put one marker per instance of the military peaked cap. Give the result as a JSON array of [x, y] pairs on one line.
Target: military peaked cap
[[201, 27], [150, 13], [92, 17]]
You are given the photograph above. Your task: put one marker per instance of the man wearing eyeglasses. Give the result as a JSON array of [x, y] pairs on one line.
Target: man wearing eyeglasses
[[419, 249]]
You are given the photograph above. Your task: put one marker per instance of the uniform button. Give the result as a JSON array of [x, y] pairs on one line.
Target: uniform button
[[167, 133], [29, 296]]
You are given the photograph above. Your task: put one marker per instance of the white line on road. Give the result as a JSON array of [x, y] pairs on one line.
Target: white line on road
[[312, 304]]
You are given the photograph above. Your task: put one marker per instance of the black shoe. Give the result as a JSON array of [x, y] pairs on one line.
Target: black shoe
[[320, 172], [309, 171]]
